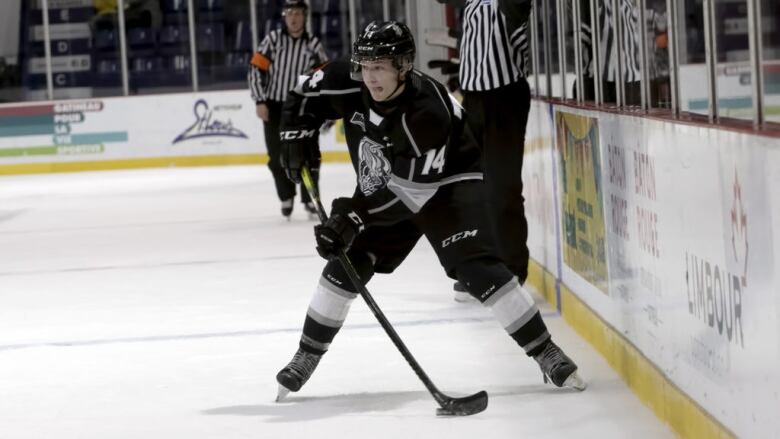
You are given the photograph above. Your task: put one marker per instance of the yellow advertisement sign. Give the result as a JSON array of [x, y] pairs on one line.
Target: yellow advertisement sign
[[584, 230]]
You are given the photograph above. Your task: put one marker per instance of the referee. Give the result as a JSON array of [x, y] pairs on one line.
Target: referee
[[628, 16], [283, 55], [497, 99]]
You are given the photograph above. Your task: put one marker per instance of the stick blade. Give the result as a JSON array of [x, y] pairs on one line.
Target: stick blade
[[466, 406]]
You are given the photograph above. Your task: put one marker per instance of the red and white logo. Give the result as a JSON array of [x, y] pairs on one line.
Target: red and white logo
[[739, 229]]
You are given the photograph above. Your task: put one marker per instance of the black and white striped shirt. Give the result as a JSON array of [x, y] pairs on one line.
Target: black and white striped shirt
[[629, 19], [279, 61], [490, 57]]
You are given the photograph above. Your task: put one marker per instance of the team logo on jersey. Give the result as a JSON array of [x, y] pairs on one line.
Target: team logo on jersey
[[374, 168], [359, 120]]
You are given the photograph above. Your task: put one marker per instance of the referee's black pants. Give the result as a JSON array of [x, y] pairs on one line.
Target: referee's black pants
[[285, 188], [498, 120]]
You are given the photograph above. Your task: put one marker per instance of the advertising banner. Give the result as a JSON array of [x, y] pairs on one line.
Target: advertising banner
[[635, 196], [689, 238], [174, 125], [583, 229], [725, 333]]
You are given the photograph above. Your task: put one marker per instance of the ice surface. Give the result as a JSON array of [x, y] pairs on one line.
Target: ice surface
[[161, 303]]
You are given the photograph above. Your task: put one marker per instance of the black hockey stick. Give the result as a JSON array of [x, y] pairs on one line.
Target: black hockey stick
[[449, 406]]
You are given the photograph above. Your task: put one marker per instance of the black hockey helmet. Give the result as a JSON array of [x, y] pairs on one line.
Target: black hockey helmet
[[295, 4], [383, 40]]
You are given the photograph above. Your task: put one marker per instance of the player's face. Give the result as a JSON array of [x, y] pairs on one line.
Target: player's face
[[294, 19], [381, 78]]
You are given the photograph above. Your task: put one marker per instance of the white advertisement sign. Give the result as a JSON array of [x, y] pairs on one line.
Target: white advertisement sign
[[690, 225], [727, 332], [636, 211], [174, 125]]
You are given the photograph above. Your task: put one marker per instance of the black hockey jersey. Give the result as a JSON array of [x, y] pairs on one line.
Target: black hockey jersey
[[402, 151]]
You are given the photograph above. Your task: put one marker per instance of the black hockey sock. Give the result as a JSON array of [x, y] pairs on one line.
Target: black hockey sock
[[532, 336], [317, 337]]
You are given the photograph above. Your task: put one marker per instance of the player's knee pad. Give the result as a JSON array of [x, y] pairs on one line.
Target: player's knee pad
[[335, 274], [483, 277], [330, 304]]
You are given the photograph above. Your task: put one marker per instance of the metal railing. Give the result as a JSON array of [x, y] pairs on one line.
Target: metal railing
[[565, 12], [570, 11]]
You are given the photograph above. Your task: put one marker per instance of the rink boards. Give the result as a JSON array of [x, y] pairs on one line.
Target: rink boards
[[658, 242]]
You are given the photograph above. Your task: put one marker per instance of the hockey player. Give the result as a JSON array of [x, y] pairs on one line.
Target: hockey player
[[418, 173]]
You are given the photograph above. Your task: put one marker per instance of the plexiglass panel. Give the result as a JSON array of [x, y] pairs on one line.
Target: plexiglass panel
[[16, 51], [158, 45], [770, 11], [224, 43]]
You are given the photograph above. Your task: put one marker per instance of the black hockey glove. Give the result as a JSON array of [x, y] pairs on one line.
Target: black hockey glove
[[299, 147], [340, 230]]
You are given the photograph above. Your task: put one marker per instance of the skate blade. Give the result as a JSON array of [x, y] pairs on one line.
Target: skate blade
[[282, 393], [575, 382]]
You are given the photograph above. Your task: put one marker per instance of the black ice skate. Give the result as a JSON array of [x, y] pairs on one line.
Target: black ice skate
[[559, 368], [287, 208], [293, 376]]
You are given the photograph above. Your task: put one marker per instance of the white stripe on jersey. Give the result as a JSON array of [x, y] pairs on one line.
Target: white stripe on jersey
[[489, 56]]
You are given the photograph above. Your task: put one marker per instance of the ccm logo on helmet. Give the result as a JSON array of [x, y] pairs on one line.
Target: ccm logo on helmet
[[297, 134], [458, 236]]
